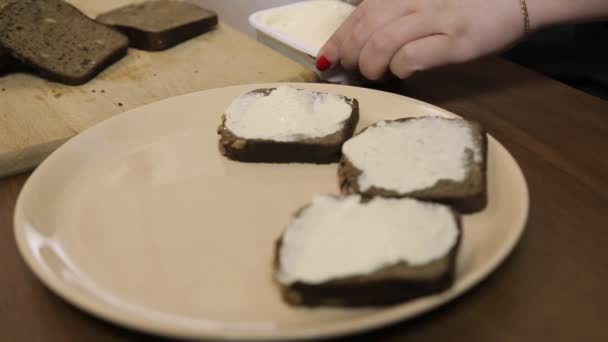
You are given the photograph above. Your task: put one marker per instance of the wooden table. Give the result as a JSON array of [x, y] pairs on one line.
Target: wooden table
[[552, 288]]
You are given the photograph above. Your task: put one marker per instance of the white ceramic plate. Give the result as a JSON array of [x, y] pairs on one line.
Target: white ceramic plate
[[141, 222]]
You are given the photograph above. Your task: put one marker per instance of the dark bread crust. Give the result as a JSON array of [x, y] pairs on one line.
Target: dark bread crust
[[468, 196], [141, 23], [38, 33], [390, 285], [112, 58], [323, 150], [4, 60]]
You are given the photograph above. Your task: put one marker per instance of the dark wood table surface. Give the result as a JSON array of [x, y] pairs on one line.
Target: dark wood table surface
[[554, 287]]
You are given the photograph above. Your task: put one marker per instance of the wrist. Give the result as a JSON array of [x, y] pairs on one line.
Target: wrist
[[545, 13]]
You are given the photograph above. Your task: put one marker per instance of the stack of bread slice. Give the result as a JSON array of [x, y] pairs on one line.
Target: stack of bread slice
[[54, 39]]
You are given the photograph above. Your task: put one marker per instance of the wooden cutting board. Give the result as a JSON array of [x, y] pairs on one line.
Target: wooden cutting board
[[37, 116]]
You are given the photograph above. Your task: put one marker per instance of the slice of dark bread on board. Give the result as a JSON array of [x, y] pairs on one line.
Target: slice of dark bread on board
[[159, 25], [428, 158], [355, 252], [58, 41], [287, 125]]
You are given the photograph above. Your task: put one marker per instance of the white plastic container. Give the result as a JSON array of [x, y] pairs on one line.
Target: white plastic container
[[298, 31]]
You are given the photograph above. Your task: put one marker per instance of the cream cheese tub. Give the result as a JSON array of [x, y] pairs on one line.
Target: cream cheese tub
[[299, 30]]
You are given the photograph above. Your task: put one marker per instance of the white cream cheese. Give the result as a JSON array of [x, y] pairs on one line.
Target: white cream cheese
[[413, 154], [339, 237], [287, 114], [310, 23]]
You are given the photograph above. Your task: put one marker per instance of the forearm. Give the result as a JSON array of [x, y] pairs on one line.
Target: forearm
[[545, 13]]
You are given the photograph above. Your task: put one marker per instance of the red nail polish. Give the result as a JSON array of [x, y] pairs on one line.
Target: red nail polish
[[323, 63]]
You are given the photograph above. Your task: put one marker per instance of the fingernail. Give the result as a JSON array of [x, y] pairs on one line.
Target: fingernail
[[323, 63]]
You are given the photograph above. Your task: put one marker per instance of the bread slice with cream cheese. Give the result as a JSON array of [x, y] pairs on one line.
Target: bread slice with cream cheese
[[351, 251], [428, 158], [287, 125]]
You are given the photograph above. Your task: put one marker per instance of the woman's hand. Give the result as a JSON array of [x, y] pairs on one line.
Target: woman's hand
[[405, 36]]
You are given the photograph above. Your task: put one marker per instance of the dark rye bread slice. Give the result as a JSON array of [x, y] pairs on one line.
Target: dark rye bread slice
[[159, 25], [323, 150], [468, 196], [388, 285], [58, 41]]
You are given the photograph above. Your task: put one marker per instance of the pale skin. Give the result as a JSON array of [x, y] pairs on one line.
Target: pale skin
[[406, 36]]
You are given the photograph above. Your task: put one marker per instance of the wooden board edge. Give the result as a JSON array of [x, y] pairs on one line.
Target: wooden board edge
[[13, 163]]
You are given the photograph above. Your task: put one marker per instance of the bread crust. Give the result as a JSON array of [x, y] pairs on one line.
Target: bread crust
[[4, 60], [324, 150], [468, 196]]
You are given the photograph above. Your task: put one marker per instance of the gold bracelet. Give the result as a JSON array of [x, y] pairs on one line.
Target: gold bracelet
[[524, 12]]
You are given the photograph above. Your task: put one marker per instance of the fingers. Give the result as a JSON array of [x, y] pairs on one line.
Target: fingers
[[377, 53], [393, 35], [331, 48], [374, 16], [423, 54]]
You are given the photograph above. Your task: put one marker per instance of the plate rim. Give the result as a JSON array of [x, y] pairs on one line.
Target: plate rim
[[383, 318]]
